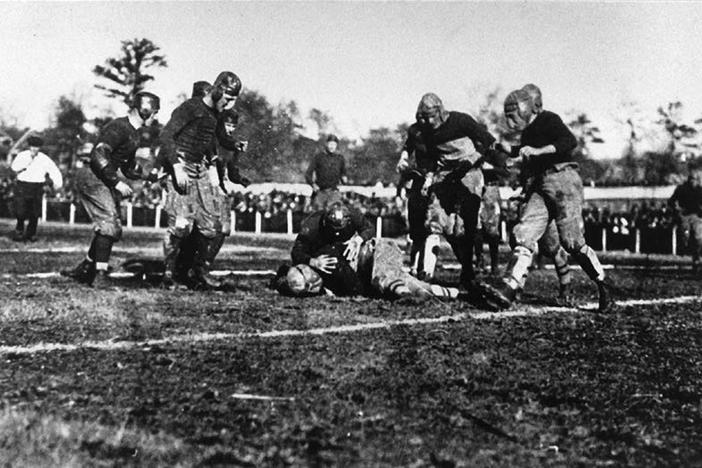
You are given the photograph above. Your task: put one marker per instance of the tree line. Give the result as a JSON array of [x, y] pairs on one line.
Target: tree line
[[279, 151]]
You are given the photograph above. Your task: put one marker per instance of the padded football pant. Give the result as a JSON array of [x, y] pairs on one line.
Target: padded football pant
[[558, 197], [388, 277]]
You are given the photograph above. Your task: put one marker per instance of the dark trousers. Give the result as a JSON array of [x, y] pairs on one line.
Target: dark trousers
[[27, 206]]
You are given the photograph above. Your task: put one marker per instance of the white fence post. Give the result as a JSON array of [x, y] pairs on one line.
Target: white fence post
[[130, 208], [232, 220], [289, 217], [43, 208], [72, 214], [157, 221], [379, 227], [675, 240], [257, 228], [637, 245], [604, 239]]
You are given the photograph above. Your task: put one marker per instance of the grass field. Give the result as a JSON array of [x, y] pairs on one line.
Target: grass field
[[138, 376]]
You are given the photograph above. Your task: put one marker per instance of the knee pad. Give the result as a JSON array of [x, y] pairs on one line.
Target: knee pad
[[181, 228], [111, 230]]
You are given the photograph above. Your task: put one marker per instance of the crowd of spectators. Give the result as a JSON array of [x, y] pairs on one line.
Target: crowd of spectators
[[639, 215], [644, 215]]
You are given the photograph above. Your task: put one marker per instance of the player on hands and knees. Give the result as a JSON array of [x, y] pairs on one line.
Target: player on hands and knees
[[335, 250]]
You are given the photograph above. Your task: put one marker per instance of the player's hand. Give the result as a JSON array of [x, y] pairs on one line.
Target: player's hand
[[324, 263], [242, 146], [124, 190], [529, 151], [180, 178], [403, 164], [353, 247]]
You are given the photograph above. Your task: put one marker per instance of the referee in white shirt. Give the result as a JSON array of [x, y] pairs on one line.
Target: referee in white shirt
[[34, 169]]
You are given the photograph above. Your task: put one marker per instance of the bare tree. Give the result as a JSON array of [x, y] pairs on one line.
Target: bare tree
[[127, 73]]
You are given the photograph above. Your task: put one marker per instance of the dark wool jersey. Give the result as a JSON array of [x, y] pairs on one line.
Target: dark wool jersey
[[115, 149], [228, 165], [190, 132], [314, 235], [689, 199], [328, 168], [460, 138], [547, 129]]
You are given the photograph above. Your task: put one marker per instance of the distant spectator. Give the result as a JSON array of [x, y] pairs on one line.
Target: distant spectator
[[687, 199], [34, 169], [325, 173]]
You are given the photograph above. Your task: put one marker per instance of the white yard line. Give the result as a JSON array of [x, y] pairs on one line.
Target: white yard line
[[528, 311], [157, 252], [449, 267], [126, 274]]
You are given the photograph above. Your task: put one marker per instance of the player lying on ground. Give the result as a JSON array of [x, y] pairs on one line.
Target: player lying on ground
[[335, 251]]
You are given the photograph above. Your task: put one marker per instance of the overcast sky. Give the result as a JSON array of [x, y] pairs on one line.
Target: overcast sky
[[365, 63]]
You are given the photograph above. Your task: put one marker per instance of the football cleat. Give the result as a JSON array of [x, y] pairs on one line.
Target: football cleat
[[101, 280], [605, 297], [84, 272]]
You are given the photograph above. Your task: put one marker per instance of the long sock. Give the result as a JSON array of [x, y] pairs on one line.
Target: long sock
[[494, 244], [560, 261], [519, 267], [202, 252], [588, 261], [20, 225], [479, 249], [215, 247], [103, 248], [31, 227]]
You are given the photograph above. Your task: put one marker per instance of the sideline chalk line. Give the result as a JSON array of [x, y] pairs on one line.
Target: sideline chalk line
[[127, 274], [447, 267], [156, 251], [528, 311]]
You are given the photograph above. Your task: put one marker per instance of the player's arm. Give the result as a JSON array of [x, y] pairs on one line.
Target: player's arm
[[180, 118], [482, 139], [54, 174], [132, 169], [364, 228], [344, 178], [21, 162], [111, 138], [310, 173], [302, 250], [408, 149], [562, 140], [233, 172]]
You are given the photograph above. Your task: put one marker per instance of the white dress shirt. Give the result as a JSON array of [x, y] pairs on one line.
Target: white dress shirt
[[34, 169]]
